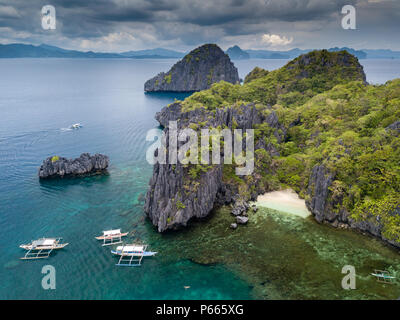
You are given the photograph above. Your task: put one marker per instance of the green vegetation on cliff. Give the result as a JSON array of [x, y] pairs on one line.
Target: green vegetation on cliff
[[332, 117], [293, 84], [345, 128], [256, 73]]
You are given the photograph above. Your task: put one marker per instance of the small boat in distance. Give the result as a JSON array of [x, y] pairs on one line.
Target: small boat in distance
[[110, 237], [131, 255], [383, 276], [75, 126], [41, 248]]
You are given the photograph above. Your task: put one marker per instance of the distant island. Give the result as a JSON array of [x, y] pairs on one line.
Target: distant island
[[46, 51], [19, 50], [293, 53], [236, 53]]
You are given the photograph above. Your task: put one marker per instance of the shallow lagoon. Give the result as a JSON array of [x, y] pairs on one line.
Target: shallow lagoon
[[284, 256]]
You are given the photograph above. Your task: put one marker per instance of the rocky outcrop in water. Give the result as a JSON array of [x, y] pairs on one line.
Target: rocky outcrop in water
[[61, 167], [241, 220], [198, 70], [240, 207]]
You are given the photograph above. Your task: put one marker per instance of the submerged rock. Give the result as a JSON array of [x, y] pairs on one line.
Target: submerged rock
[[86, 164], [198, 70], [240, 207], [242, 220]]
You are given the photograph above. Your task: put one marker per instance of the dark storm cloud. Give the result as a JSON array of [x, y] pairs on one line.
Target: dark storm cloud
[[125, 15], [225, 11], [190, 22]]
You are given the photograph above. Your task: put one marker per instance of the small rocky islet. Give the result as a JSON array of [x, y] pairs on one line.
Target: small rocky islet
[[85, 164], [307, 137], [198, 70]]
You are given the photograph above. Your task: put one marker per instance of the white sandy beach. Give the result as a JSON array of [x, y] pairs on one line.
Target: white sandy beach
[[284, 200]]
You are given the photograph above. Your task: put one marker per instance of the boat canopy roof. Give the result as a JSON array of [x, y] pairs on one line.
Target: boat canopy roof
[[43, 242], [112, 232], [130, 248]]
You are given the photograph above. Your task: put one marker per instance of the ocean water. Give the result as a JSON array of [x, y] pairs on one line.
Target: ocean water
[[39, 99]]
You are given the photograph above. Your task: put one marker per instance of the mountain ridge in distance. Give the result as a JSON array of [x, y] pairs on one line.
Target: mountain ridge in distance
[[19, 50]]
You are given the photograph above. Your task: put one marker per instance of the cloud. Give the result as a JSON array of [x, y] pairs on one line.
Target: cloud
[[183, 24], [276, 40], [109, 41], [8, 12]]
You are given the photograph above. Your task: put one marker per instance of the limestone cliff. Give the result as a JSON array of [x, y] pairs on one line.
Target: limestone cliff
[[175, 194], [321, 202], [299, 114], [198, 70]]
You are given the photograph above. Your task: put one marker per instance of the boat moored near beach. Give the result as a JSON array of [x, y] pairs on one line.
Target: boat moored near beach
[[41, 248], [131, 255]]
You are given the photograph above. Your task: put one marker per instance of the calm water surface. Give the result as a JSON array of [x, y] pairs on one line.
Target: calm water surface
[[39, 98]]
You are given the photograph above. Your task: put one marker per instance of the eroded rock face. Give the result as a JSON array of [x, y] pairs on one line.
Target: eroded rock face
[[171, 203], [174, 197], [54, 167], [198, 70], [321, 204], [318, 188]]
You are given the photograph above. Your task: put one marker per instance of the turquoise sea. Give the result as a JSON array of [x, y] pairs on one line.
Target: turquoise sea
[[39, 98]]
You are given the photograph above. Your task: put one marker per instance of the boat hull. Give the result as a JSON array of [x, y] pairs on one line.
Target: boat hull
[[382, 276], [134, 254], [30, 247], [112, 237]]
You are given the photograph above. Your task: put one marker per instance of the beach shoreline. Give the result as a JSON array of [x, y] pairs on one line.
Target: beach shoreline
[[284, 200]]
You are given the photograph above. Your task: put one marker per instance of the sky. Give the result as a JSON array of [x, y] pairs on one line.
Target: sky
[[123, 25]]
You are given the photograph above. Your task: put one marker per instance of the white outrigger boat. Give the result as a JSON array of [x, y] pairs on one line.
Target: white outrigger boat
[[41, 248], [131, 255], [383, 276], [110, 237], [75, 126]]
